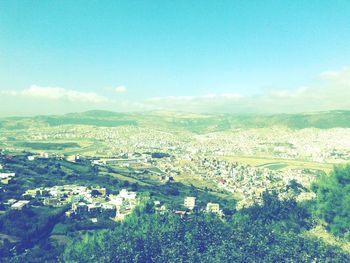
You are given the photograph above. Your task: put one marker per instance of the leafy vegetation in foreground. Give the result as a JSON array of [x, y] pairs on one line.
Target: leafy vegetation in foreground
[[272, 232], [333, 200]]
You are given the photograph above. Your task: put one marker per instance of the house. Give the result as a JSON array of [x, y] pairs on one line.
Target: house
[[190, 202], [73, 158], [20, 204], [31, 158], [44, 155], [69, 213], [125, 194], [10, 202], [115, 200], [30, 194], [213, 208], [161, 209], [6, 177], [51, 201]]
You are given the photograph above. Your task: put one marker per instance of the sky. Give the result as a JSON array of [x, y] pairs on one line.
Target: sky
[[200, 56]]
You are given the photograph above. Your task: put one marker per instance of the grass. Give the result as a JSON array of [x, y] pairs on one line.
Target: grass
[[199, 183], [153, 180], [196, 181], [125, 178], [274, 166], [60, 229], [61, 239]]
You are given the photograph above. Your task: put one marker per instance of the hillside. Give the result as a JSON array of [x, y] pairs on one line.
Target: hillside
[[196, 123]]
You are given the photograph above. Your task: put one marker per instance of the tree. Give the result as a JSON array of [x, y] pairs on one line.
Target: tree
[[333, 200], [202, 238]]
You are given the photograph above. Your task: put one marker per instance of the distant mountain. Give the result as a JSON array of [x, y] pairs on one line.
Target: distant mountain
[[322, 120], [94, 118], [179, 121]]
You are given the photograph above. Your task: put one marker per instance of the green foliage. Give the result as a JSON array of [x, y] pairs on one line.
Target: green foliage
[[33, 227], [60, 229], [27, 222], [251, 235], [285, 215], [333, 200], [45, 251]]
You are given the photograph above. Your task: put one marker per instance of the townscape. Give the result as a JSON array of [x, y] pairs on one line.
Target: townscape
[[244, 162], [74, 178], [310, 144]]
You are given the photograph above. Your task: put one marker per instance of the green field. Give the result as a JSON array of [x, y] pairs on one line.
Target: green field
[[274, 166], [48, 146], [277, 164]]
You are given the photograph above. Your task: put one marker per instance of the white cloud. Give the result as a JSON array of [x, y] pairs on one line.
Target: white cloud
[[329, 74], [232, 96], [208, 97], [57, 93], [290, 93], [339, 78], [332, 92], [120, 89]]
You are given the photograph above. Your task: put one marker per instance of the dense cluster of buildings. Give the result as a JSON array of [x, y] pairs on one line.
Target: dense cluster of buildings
[[199, 155], [84, 202], [245, 181], [94, 202], [110, 206], [318, 145]]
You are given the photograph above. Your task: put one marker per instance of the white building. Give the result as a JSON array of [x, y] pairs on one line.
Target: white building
[[127, 195], [6, 177], [31, 158], [190, 202], [213, 208], [19, 205]]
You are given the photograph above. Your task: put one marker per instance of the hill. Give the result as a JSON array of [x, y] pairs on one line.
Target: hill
[[173, 121]]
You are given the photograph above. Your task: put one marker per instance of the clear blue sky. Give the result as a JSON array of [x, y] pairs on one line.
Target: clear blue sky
[[171, 48]]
